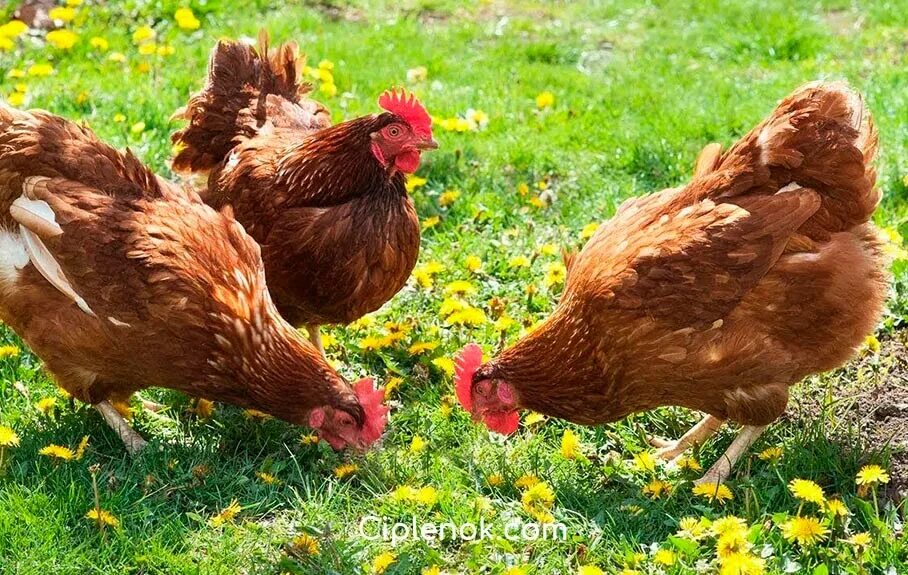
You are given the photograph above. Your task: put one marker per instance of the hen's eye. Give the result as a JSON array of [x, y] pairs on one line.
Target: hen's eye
[[394, 131]]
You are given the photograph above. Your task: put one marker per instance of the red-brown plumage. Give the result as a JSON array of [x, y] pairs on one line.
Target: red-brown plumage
[[172, 292], [328, 204], [718, 295]]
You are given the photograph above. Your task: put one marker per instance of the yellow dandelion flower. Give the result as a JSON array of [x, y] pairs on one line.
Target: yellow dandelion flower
[[504, 323], [102, 517], [532, 418], [694, 528], [689, 463], [588, 230], [16, 73], [644, 462], [137, 128], [555, 273], [495, 480], [771, 454], [166, 50], [392, 384], [731, 543], [519, 262], [656, 489], [430, 222], [16, 99], [589, 570], [805, 530], [46, 405], [8, 437], [472, 316], [226, 515], [61, 13], [119, 118], [523, 189], [548, 250], [305, 545], [417, 444], [186, 20], [267, 478], [545, 100], [714, 492], [665, 557], [13, 29], [6, 44], [309, 439], [537, 500], [62, 39], [427, 496], [83, 445], [9, 350], [741, 564], [473, 264], [431, 570], [58, 452], [526, 481], [345, 470], [570, 445], [418, 74], [728, 524], [414, 181], [460, 287], [117, 57], [204, 408], [448, 197], [836, 508], [99, 43], [872, 474], [862, 539], [422, 347], [807, 490], [382, 561], [41, 69], [328, 88], [445, 364], [143, 34], [256, 414]]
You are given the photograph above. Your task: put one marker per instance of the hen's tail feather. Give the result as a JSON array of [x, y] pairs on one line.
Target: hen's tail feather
[[243, 84], [821, 137]]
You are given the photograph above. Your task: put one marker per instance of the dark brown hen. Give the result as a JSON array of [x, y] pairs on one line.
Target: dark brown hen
[[328, 204], [120, 281], [717, 296]]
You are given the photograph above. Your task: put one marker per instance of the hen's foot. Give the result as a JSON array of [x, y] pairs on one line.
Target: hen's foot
[[721, 469], [670, 450], [315, 336], [132, 440], [151, 405]]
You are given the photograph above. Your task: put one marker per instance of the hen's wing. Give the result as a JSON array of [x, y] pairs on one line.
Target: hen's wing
[[692, 267]]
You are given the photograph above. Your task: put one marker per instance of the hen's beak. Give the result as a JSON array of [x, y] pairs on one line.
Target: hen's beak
[[429, 144]]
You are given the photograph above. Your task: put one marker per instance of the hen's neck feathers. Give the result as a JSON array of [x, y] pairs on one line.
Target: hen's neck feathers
[[562, 370], [336, 164]]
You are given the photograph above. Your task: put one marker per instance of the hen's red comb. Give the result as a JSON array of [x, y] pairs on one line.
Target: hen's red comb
[[376, 412], [468, 361], [407, 107]]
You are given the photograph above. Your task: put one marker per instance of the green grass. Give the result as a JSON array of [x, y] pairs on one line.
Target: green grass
[[639, 89]]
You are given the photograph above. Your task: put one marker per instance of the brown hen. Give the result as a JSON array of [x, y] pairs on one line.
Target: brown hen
[[120, 281], [717, 296], [328, 204]]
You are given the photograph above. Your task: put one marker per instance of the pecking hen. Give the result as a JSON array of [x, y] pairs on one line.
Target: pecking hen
[[716, 296], [120, 281], [327, 203]]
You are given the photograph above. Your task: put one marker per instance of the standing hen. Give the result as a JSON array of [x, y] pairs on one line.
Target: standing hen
[[717, 296], [328, 204], [120, 281]]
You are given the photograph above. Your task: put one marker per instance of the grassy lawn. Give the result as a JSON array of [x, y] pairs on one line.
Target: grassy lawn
[[637, 90]]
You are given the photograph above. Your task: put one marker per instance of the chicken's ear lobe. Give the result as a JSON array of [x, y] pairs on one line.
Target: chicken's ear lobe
[[317, 418]]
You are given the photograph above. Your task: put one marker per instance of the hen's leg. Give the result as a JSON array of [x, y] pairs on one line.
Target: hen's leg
[[133, 441], [706, 428], [720, 470], [315, 336]]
